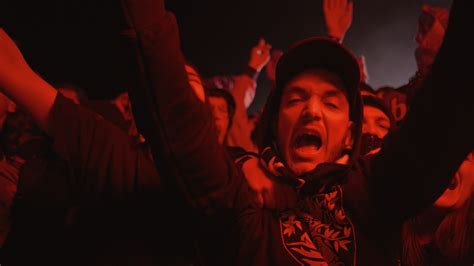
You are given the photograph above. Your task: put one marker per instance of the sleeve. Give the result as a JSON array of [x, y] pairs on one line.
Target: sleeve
[[179, 127], [418, 161], [105, 161]]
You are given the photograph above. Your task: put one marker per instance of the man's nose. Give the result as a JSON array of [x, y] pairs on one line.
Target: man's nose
[[369, 128], [313, 110]]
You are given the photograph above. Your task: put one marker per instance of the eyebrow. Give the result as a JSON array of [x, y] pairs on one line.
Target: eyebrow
[[334, 93], [295, 89]]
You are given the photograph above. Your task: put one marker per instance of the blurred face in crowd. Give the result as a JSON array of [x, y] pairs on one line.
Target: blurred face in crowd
[[461, 187], [70, 94], [220, 111], [313, 121], [195, 82], [375, 122]]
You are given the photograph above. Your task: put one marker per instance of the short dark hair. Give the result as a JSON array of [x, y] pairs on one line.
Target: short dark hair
[[367, 88], [228, 98]]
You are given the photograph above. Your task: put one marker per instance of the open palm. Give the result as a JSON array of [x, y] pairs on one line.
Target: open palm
[[338, 17]]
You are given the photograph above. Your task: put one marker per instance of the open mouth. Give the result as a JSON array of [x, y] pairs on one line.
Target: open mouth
[[308, 141]]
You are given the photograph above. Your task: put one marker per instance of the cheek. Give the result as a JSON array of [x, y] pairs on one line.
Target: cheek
[[338, 128], [383, 133]]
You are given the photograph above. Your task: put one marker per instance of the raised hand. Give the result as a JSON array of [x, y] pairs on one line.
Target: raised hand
[[338, 17], [260, 55]]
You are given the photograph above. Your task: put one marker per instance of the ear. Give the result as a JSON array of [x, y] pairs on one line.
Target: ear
[[349, 138]]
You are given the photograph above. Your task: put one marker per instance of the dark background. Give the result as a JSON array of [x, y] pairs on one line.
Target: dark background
[[78, 41]]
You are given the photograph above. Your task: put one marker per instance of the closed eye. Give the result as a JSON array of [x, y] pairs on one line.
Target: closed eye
[[294, 100], [331, 105]]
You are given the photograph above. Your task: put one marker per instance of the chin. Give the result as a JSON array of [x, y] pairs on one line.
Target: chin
[[300, 168]]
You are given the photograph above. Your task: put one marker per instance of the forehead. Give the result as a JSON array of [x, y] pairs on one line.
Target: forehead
[[318, 82], [217, 101], [374, 112]]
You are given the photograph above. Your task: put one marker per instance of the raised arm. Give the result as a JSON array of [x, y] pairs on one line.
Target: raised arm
[[22, 85], [418, 161], [241, 130], [105, 161], [179, 127]]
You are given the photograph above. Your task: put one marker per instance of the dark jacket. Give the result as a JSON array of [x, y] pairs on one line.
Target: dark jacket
[[349, 213], [92, 197]]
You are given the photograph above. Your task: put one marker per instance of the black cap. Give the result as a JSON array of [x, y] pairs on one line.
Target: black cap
[[323, 53]]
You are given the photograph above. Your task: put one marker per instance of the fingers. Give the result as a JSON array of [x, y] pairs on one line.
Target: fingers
[[262, 44]]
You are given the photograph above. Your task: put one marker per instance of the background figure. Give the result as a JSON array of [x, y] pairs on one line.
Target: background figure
[[223, 109], [444, 233], [377, 123], [240, 134]]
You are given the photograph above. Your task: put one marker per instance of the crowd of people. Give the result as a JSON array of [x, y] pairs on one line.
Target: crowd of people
[[175, 171]]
